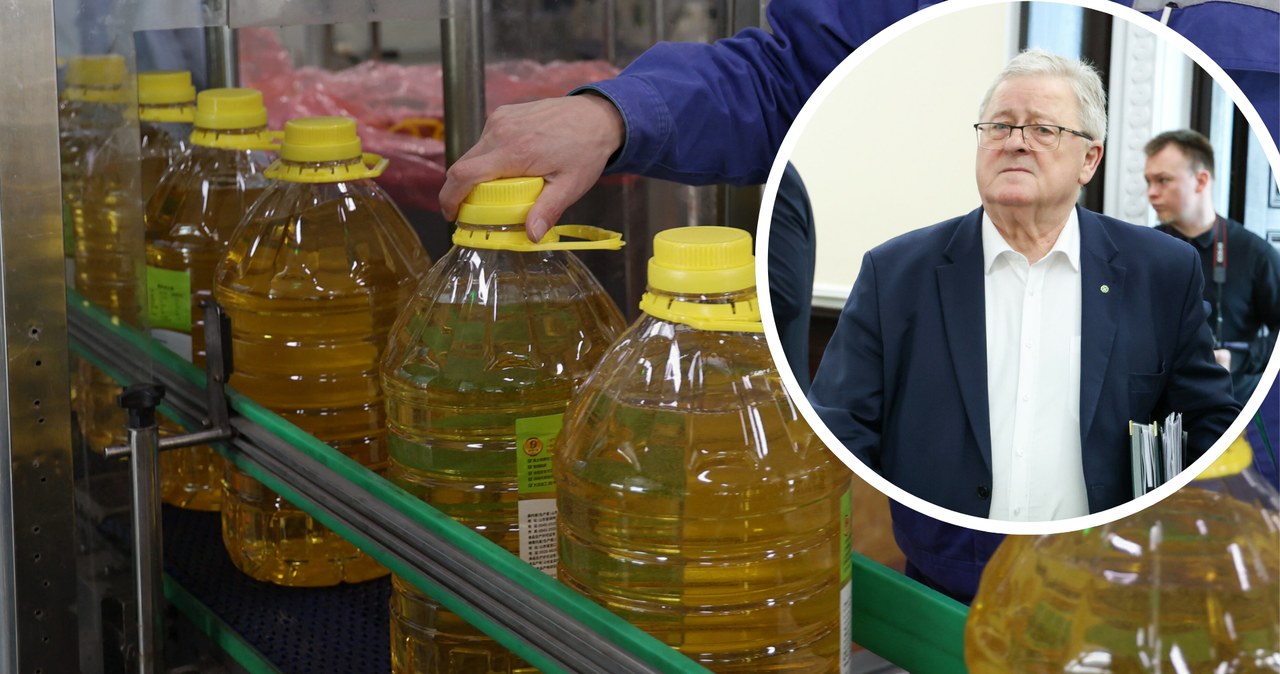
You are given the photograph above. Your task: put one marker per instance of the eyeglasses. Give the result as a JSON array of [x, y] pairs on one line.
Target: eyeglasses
[[1038, 137]]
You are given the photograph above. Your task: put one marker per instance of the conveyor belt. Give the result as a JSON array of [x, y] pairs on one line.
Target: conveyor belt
[[299, 630]]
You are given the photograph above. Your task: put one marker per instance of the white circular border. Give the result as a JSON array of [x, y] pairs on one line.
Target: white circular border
[[775, 344]]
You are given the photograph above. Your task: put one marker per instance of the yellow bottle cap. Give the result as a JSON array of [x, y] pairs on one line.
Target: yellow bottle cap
[[230, 108], [1234, 460], [97, 79], [505, 201], [320, 139], [100, 70], [165, 87], [703, 261]]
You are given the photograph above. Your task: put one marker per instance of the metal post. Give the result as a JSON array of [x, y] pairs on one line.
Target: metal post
[[609, 30], [38, 628], [222, 58], [462, 59], [144, 443]]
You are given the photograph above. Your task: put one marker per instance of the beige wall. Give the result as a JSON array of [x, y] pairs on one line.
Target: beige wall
[[872, 167]]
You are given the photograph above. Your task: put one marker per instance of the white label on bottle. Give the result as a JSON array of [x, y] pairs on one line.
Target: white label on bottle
[[177, 342], [846, 629], [538, 534]]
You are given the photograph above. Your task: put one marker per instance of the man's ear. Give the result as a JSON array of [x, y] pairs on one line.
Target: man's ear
[[1202, 180], [1092, 159]]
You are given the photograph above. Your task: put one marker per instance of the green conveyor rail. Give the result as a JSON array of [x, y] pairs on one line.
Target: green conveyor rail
[[893, 616], [906, 623], [222, 634]]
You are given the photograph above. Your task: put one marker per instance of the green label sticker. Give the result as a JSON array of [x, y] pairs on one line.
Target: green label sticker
[[535, 437], [846, 528], [169, 298]]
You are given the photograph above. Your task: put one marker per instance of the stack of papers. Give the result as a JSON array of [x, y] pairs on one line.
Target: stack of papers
[[1157, 452]]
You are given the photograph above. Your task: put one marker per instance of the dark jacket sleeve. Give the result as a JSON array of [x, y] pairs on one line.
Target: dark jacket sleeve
[[1265, 300], [847, 391], [716, 113], [792, 248], [1198, 387]]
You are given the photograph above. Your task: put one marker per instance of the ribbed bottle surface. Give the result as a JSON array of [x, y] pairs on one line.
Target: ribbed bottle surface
[[478, 374], [105, 215], [1191, 584], [696, 503], [312, 281], [190, 221]]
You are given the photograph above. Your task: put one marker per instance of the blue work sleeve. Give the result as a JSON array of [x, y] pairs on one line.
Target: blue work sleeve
[[716, 113]]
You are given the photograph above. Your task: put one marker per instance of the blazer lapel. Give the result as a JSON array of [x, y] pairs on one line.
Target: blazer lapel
[[1101, 300], [963, 296]]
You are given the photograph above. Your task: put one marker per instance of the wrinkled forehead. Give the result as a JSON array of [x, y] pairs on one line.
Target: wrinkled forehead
[[1033, 98]]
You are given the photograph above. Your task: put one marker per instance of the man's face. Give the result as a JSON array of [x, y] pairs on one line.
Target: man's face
[[1173, 188], [1015, 176]]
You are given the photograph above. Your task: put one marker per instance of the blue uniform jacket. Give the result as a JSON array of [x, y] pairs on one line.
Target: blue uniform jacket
[[717, 113], [903, 382]]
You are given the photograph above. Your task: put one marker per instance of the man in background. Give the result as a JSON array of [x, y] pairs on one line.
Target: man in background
[[1241, 271]]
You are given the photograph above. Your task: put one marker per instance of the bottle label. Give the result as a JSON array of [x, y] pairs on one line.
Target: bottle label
[[177, 342], [846, 589], [535, 436], [538, 534], [169, 299], [846, 628]]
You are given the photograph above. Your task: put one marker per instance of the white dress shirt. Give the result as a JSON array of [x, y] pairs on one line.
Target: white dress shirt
[[1033, 377]]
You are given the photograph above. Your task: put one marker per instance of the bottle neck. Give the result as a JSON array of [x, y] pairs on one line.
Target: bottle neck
[[735, 297], [736, 311]]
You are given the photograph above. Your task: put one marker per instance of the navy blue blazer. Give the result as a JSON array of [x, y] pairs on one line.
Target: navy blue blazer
[[903, 382]]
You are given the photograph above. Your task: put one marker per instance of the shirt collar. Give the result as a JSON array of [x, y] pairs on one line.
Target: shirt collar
[[994, 245]]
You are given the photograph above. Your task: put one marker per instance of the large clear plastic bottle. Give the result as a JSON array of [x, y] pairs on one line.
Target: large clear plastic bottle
[[106, 216], [190, 221], [166, 108], [1191, 584], [91, 108], [694, 500], [313, 280], [478, 373]]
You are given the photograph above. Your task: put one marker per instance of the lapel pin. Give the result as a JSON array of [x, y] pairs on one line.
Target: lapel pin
[[1105, 289]]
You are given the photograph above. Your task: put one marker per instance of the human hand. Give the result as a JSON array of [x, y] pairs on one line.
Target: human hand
[[1223, 357], [566, 141]]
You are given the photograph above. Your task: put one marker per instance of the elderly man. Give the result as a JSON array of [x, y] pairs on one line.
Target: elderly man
[[991, 364], [1242, 272]]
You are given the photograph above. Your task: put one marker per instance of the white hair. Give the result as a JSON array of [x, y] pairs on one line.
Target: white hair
[[1085, 83]]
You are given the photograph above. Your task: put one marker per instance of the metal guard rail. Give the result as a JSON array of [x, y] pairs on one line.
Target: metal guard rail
[[522, 608]]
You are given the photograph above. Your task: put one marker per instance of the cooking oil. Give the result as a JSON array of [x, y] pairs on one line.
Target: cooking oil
[[105, 215], [166, 108], [314, 278], [478, 373], [190, 221], [1191, 584], [91, 108], [694, 500]]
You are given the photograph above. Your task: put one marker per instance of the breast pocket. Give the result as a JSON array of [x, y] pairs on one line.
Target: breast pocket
[[1144, 392]]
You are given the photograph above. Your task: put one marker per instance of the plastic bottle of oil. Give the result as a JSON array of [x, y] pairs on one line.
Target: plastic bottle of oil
[[694, 500], [315, 276], [166, 108], [478, 373], [106, 215], [1191, 584], [91, 108], [190, 220]]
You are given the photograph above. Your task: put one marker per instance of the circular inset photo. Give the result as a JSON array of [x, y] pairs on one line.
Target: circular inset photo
[[1045, 281]]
